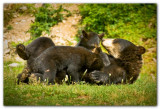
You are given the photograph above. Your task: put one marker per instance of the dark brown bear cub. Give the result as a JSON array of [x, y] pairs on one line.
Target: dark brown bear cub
[[30, 52], [126, 56], [74, 60]]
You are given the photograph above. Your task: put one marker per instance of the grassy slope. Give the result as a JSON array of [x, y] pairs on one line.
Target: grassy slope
[[142, 92]]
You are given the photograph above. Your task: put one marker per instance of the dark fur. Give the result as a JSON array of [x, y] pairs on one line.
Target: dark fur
[[34, 49], [125, 68], [90, 40], [124, 56], [39, 45], [111, 74], [72, 59], [29, 53]]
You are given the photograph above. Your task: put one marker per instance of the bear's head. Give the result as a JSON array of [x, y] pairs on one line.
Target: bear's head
[[122, 49], [89, 40], [127, 55]]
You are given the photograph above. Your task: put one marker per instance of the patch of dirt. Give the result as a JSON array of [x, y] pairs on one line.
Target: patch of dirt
[[20, 26], [18, 34], [62, 34], [65, 32]]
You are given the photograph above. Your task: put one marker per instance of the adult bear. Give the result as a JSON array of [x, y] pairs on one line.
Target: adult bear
[[30, 52], [124, 56], [74, 60]]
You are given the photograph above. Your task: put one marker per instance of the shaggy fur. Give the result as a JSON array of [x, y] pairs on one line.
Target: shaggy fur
[[126, 62], [72, 59], [29, 53]]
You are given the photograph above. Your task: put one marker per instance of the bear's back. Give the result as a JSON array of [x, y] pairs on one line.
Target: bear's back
[[39, 45], [66, 50]]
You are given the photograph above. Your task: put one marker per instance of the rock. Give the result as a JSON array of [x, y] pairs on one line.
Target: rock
[[13, 65], [5, 44], [23, 8], [5, 51], [23, 20], [14, 15], [5, 47], [19, 59], [64, 21], [154, 60]]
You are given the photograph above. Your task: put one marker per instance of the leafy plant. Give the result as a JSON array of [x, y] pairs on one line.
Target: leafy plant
[[129, 21], [9, 27], [45, 18]]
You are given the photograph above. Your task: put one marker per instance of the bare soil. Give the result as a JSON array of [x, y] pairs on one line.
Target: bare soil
[[62, 34]]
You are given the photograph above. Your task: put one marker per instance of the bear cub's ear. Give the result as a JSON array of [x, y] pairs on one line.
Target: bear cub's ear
[[21, 50], [141, 50], [101, 36], [85, 35]]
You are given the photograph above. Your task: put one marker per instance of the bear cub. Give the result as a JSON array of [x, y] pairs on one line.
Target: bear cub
[[74, 60], [126, 62], [29, 53]]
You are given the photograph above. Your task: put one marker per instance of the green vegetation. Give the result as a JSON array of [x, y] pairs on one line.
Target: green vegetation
[[142, 92], [9, 27], [128, 21], [45, 18], [134, 22]]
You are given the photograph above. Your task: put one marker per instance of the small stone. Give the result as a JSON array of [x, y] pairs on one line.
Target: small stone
[[24, 8], [14, 16], [154, 60], [13, 65], [19, 59], [64, 21], [6, 51], [23, 20], [5, 44]]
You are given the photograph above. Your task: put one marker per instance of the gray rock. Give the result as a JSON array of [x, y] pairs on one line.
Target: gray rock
[[5, 44], [13, 65], [5, 47], [23, 8], [6, 51]]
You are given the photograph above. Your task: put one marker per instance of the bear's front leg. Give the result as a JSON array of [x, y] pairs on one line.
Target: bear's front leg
[[49, 76], [73, 73]]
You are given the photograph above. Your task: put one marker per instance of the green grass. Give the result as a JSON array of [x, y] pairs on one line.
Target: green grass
[[142, 92]]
